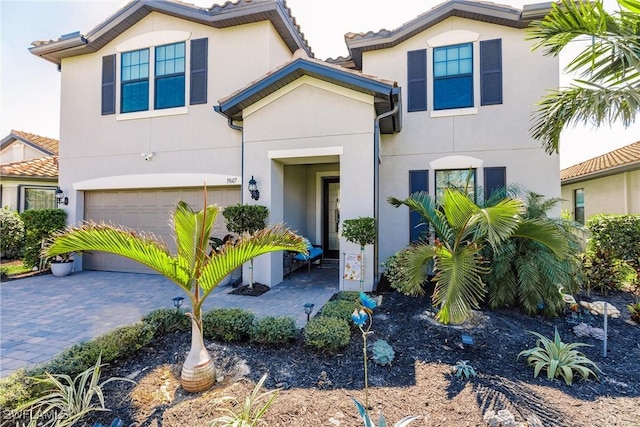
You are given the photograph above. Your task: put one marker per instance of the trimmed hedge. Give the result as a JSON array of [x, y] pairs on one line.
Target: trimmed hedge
[[228, 324], [274, 330], [613, 253], [340, 309], [327, 333], [11, 234], [166, 320], [39, 225]]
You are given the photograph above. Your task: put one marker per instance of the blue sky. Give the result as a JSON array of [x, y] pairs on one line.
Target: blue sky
[[30, 86]]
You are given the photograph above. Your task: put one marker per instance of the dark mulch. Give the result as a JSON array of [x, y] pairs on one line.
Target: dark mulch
[[255, 291], [317, 388]]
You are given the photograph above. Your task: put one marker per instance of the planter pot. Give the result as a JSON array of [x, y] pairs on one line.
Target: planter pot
[[60, 269]]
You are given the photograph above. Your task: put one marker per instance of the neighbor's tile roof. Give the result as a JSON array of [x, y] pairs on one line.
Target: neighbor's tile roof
[[48, 145], [46, 167], [622, 157]]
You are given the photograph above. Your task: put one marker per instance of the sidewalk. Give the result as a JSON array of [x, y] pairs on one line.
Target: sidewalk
[[40, 316]]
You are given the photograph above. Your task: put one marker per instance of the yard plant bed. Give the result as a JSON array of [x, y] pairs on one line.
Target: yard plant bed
[[317, 388]]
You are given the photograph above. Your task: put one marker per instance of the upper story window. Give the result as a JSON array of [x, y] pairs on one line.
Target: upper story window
[[134, 92], [453, 77], [170, 76], [173, 68]]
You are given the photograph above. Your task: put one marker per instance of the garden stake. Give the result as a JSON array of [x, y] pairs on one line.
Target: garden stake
[[604, 341], [360, 318]]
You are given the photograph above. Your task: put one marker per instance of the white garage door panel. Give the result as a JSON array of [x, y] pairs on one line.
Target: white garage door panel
[[148, 211]]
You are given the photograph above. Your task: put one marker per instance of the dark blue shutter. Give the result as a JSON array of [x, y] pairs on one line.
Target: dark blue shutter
[[418, 181], [491, 72], [494, 178], [417, 80], [199, 61], [108, 85]]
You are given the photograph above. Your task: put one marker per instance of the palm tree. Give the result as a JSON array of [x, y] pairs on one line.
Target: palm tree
[[194, 269], [527, 273], [462, 229], [607, 90]]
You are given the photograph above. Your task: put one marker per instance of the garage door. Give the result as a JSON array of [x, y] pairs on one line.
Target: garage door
[[148, 210]]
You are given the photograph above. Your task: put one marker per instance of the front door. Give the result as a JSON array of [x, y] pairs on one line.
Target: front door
[[331, 217]]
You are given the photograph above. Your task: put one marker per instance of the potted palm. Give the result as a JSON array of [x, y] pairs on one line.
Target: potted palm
[[62, 264], [194, 268]]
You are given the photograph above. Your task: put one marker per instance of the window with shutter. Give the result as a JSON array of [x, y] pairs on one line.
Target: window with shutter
[[417, 80], [134, 72], [418, 181], [491, 72], [199, 65], [453, 77], [495, 178], [108, 84], [169, 72]]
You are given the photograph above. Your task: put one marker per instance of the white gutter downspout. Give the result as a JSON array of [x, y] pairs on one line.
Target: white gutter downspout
[[376, 179], [216, 108]]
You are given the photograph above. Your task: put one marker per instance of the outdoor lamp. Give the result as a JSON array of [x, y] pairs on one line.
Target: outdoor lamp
[[253, 189], [177, 302], [60, 198], [308, 308]]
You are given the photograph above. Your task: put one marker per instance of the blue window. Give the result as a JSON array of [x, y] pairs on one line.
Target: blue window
[[453, 77], [169, 76], [135, 81]]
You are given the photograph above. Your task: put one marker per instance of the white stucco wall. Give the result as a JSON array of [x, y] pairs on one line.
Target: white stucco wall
[[613, 194], [496, 135], [285, 128], [186, 142], [18, 152]]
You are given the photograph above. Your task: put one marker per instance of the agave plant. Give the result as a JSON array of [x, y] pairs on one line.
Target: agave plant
[[462, 229], [194, 269], [558, 358], [382, 422]]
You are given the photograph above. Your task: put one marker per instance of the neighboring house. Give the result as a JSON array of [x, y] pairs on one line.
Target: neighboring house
[[442, 100], [28, 171], [607, 184]]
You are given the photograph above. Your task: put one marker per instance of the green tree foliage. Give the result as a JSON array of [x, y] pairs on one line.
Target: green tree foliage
[[462, 229], [11, 233], [39, 226], [608, 68], [527, 273], [360, 230]]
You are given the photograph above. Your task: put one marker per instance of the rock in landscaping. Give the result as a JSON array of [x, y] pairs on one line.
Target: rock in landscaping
[[584, 330], [597, 307]]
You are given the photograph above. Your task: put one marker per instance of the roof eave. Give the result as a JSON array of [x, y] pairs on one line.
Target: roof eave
[[602, 173]]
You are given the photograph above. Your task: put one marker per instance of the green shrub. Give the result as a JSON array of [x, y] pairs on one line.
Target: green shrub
[[39, 225], [120, 342], [16, 389], [327, 333], [165, 320], [352, 296], [612, 257], [11, 234], [274, 330], [339, 309], [228, 324], [396, 271]]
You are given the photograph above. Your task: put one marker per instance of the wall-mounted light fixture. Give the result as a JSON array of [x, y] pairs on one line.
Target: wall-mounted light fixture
[[60, 197], [146, 156], [253, 189]]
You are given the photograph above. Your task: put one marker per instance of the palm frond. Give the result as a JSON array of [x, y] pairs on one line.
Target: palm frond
[[192, 231], [139, 247], [425, 205], [417, 258], [593, 104], [459, 286], [496, 223], [545, 233]]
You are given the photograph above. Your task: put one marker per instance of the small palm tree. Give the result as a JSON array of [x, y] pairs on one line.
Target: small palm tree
[[462, 228], [194, 269]]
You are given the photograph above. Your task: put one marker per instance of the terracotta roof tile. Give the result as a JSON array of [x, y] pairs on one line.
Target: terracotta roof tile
[[48, 144], [627, 155], [46, 167]]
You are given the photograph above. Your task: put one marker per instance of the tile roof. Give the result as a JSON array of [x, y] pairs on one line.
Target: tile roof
[[226, 15], [46, 145], [612, 162], [45, 167]]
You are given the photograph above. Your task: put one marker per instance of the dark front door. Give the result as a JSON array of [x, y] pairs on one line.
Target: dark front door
[[331, 217]]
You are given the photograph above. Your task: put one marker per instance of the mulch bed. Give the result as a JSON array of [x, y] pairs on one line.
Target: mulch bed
[[317, 389], [251, 291]]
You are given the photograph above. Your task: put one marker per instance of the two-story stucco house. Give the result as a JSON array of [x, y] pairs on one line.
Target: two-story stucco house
[[163, 97]]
